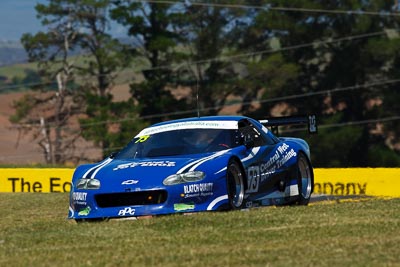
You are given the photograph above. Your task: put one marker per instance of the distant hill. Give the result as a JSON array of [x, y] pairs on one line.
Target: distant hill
[[12, 52]]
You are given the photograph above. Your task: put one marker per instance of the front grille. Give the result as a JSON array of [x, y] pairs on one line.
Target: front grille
[[131, 198]]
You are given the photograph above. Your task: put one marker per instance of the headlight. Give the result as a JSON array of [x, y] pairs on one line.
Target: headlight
[[85, 183], [186, 177]]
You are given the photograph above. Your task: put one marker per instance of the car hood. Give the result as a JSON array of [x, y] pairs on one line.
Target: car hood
[[150, 171]]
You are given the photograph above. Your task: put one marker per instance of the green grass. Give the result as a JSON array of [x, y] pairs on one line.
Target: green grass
[[17, 70], [34, 231]]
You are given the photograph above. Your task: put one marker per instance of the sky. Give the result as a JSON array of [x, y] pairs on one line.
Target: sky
[[19, 16]]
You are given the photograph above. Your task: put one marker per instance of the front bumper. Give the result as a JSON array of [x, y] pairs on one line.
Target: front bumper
[[194, 197]]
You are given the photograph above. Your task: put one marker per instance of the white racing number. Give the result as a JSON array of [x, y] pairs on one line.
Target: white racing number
[[253, 179]]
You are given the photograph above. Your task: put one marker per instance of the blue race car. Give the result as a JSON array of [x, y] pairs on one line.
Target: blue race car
[[197, 164]]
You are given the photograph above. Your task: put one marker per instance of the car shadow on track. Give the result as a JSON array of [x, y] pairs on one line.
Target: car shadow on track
[[320, 198]]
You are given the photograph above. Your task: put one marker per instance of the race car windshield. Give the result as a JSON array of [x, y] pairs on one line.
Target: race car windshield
[[179, 142]]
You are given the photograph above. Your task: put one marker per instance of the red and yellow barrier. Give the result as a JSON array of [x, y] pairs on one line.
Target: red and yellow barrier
[[335, 181]]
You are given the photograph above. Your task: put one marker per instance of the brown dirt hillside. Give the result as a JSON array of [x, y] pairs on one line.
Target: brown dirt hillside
[[24, 149], [15, 149]]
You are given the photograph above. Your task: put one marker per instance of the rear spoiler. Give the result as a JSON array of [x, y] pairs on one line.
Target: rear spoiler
[[291, 120]]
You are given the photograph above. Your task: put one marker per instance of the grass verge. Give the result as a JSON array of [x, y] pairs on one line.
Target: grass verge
[[34, 231]]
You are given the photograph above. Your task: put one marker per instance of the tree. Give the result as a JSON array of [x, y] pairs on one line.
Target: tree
[[207, 40], [313, 62], [74, 26], [151, 27], [104, 56], [50, 111]]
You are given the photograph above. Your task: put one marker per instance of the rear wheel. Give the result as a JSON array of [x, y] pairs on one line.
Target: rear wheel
[[305, 179], [235, 185]]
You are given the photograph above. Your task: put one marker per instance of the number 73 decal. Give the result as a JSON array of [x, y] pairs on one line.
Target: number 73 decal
[[253, 179]]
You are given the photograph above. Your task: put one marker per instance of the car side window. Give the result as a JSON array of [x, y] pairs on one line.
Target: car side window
[[248, 129]]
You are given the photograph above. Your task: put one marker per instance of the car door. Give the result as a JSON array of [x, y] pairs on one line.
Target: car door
[[264, 175]]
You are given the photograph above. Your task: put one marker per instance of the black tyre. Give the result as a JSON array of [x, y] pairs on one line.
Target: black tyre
[[305, 179], [235, 185]]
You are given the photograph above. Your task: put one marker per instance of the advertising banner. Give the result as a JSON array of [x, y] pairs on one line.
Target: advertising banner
[[332, 181], [33, 180], [357, 181]]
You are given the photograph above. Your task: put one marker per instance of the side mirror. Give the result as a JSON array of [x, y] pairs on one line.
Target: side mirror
[[248, 141]]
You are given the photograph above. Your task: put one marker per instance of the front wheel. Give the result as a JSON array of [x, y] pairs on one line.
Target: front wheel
[[305, 179], [235, 185]]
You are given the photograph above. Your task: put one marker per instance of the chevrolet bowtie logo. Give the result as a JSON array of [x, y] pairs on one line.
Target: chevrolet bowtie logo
[[129, 182]]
